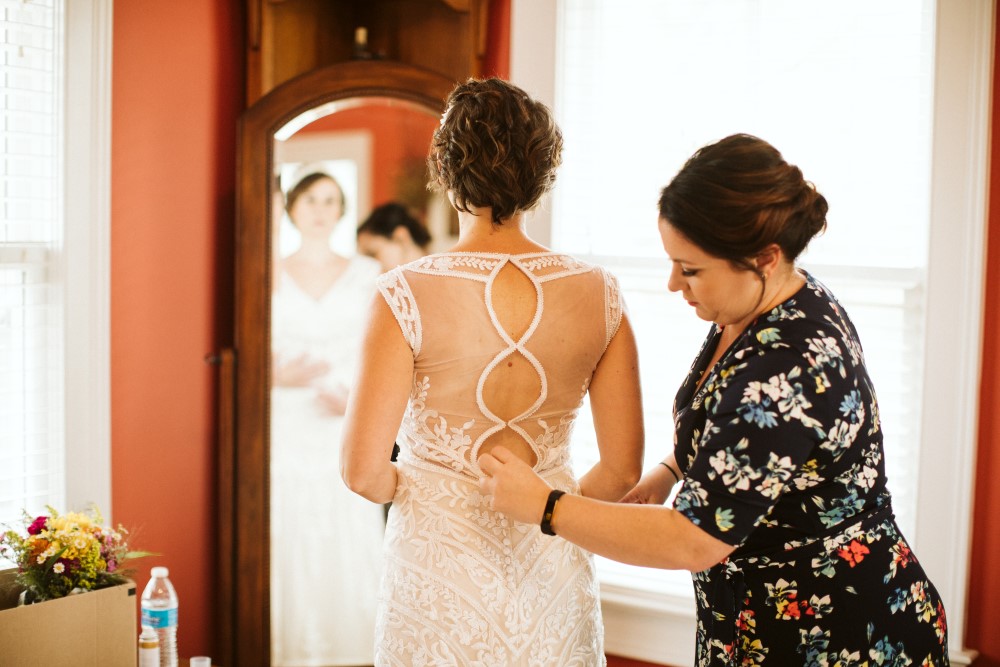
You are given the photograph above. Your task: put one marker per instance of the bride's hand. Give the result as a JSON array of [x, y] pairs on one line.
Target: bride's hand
[[333, 402], [516, 490], [299, 372]]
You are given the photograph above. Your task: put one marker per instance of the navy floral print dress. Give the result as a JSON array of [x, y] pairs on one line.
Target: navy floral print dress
[[782, 455]]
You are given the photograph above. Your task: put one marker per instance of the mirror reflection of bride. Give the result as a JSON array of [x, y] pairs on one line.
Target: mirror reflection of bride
[[326, 542]]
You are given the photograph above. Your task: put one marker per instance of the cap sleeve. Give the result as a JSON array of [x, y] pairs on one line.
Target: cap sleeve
[[396, 291], [614, 305]]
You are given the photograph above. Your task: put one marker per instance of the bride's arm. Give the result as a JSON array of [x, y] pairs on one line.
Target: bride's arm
[[616, 403], [375, 407]]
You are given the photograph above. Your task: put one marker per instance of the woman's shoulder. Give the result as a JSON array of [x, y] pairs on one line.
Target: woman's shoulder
[[811, 329], [811, 311]]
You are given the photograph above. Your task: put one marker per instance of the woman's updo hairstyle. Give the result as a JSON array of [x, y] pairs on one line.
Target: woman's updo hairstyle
[[735, 197], [496, 147], [387, 218]]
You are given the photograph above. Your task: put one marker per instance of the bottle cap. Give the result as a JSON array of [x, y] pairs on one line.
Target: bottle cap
[[148, 633], [159, 571], [201, 661]]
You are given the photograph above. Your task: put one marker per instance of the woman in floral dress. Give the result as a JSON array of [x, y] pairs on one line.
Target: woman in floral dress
[[783, 514]]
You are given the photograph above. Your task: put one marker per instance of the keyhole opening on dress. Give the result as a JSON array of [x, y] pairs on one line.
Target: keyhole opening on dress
[[514, 384]]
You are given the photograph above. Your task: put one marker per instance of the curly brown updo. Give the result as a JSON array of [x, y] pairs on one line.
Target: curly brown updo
[[496, 147], [735, 197]]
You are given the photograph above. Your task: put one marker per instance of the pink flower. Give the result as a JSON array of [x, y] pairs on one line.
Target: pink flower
[[38, 525]]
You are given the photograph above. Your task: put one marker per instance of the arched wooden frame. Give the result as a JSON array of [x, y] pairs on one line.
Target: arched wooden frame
[[243, 614]]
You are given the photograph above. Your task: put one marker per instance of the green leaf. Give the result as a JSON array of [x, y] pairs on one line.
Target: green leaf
[[769, 335]]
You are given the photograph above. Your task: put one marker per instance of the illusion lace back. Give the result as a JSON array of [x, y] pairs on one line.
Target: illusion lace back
[[504, 347]]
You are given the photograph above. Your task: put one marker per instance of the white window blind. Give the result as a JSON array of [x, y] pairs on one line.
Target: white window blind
[[31, 232], [843, 89]]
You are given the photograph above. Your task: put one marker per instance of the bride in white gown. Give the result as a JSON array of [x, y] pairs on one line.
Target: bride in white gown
[[326, 542], [495, 342]]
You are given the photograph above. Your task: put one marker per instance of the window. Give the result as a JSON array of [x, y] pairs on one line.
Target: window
[[31, 324], [850, 104], [638, 85], [53, 256]]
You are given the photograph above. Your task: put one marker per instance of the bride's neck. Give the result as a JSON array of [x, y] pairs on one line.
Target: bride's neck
[[314, 250], [477, 232]]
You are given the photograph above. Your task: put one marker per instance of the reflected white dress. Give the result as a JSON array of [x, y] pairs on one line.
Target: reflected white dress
[[326, 542], [463, 585]]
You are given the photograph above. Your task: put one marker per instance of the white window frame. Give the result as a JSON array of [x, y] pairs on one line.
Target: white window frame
[[86, 267], [659, 627]]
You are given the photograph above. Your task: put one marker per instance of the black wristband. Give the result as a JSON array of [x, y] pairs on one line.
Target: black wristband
[[550, 506]]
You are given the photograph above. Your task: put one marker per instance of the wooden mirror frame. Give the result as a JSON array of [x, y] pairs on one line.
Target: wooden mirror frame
[[243, 613]]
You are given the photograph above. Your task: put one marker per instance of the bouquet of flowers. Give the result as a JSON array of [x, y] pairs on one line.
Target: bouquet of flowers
[[64, 553]]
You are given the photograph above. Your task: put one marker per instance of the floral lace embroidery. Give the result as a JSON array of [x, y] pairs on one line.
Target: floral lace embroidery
[[615, 305], [481, 266], [452, 263], [549, 261], [431, 439], [464, 585], [399, 296]]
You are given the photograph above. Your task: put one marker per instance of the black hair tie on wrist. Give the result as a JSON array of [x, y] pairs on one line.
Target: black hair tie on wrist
[[550, 506], [672, 471]]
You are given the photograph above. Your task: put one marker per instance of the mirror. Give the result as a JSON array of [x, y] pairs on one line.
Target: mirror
[[299, 553], [343, 169]]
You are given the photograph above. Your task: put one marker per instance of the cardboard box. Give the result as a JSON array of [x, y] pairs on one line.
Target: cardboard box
[[92, 628]]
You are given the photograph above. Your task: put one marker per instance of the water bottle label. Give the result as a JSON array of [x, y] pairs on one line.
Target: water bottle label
[[160, 618]]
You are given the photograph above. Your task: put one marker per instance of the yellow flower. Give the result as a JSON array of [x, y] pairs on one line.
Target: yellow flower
[[74, 537], [70, 522]]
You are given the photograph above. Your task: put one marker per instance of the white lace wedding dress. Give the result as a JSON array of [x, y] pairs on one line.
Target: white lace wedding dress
[[326, 542], [463, 585]]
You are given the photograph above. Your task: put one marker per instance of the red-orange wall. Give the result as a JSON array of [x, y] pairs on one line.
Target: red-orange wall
[[984, 589], [177, 88], [400, 138], [496, 62]]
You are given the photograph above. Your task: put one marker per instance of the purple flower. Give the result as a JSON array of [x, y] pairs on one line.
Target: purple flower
[[38, 525]]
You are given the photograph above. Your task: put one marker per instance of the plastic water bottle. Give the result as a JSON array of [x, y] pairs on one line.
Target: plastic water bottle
[[159, 611], [149, 648]]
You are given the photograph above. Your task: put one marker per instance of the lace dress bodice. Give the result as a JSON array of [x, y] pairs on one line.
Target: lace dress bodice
[[504, 347], [467, 359]]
